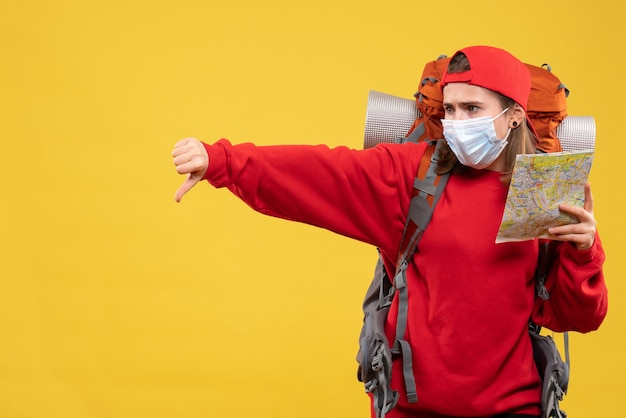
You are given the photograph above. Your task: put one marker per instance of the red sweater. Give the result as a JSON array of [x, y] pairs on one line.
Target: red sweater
[[469, 298]]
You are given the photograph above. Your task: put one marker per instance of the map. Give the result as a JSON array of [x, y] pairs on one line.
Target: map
[[539, 184]]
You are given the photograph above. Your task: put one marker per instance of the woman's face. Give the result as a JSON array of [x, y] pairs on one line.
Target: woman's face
[[464, 101]]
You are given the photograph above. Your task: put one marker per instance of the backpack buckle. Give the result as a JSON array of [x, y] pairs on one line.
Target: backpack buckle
[[377, 362]]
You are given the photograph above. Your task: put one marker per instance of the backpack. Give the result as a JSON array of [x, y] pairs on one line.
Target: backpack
[[429, 102], [546, 109], [375, 355], [547, 104]]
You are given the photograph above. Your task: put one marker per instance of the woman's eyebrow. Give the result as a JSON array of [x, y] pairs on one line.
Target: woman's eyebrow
[[468, 103]]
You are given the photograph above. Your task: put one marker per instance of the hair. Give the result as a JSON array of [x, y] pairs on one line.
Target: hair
[[521, 139]]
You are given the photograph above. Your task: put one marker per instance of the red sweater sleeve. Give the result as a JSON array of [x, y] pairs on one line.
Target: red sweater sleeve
[[578, 294], [362, 194]]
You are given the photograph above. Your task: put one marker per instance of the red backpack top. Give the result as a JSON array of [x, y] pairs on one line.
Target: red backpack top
[[547, 105]]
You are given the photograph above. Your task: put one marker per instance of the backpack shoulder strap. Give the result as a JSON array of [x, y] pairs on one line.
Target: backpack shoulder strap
[[553, 371], [547, 251], [427, 188]]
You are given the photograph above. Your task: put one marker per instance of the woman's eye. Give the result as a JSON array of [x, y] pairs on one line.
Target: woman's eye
[[473, 108]]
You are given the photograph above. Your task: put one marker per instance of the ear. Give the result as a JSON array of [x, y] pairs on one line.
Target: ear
[[517, 115]]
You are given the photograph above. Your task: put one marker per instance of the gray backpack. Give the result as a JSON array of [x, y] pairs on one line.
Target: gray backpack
[[388, 118], [375, 354]]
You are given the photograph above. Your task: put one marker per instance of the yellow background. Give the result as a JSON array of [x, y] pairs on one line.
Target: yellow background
[[117, 302]]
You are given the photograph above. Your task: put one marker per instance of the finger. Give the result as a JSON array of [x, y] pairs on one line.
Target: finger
[[581, 234], [184, 141], [190, 165], [180, 149], [571, 229], [182, 159], [185, 187], [577, 212], [581, 241], [182, 146]]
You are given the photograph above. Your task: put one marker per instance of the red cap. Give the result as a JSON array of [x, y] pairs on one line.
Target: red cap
[[494, 69]]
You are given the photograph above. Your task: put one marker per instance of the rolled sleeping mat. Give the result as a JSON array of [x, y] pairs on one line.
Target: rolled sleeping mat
[[390, 117]]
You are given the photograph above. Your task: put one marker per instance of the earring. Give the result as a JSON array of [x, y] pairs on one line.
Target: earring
[[514, 124]]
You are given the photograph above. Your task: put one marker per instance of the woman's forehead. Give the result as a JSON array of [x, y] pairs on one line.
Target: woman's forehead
[[463, 92]]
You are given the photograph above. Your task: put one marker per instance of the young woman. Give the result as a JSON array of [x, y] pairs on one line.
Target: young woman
[[470, 299]]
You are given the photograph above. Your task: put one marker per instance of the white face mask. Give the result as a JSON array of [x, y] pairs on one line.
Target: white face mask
[[474, 141]]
